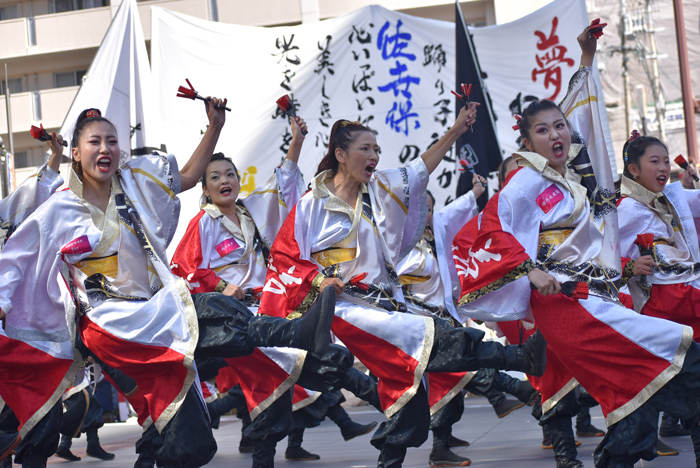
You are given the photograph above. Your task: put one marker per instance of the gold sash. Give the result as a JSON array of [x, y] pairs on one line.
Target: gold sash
[[553, 237], [108, 266]]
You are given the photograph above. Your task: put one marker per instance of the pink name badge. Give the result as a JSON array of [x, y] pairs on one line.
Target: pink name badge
[[77, 246], [549, 198], [227, 246]]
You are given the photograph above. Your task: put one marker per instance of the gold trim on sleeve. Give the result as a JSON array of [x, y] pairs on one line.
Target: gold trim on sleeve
[[392, 195]]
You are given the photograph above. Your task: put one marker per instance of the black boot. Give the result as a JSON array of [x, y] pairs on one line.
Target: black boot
[[94, 449], [501, 405], [6, 462], [246, 445], [362, 386], [584, 428], [665, 450], [63, 450], [221, 406], [294, 450], [33, 461], [391, 457], [530, 357], [264, 453], [349, 429], [441, 455], [8, 442], [146, 448], [671, 427], [695, 437], [562, 435], [312, 332], [455, 442], [505, 406], [520, 389]]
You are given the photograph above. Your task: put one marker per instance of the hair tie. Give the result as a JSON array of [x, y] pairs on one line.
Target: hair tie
[[517, 119], [345, 123], [93, 113], [634, 136]]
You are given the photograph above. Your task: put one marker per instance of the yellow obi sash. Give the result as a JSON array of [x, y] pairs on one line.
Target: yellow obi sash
[[333, 256], [410, 279], [108, 266], [553, 237]]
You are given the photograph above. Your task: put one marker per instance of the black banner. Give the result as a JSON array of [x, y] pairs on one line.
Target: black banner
[[480, 147]]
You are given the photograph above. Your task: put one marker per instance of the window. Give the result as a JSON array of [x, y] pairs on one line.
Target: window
[[63, 80], [58, 6], [8, 12], [15, 86], [21, 159]]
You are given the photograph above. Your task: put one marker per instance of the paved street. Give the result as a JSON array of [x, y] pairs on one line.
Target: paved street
[[513, 442]]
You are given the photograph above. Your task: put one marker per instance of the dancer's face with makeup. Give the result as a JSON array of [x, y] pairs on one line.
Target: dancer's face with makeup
[[98, 152], [550, 137]]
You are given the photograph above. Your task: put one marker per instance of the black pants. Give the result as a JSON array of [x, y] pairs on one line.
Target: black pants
[[42, 441], [557, 423], [448, 415], [83, 413], [634, 437]]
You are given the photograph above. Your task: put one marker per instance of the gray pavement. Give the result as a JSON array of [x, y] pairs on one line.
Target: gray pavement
[[512, 442]]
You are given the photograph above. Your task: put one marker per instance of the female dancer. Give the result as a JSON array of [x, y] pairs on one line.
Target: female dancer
[[663, 279], [225, 249], [347, 234], [37, 412], [95, 253], [427, 277], [565, 221], [663, 276]]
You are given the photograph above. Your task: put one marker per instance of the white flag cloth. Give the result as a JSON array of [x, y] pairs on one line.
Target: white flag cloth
[[118, 83], [542, 56], [389, 70]]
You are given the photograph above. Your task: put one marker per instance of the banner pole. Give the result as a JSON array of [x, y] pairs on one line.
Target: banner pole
[[691, 136], [3, 162]]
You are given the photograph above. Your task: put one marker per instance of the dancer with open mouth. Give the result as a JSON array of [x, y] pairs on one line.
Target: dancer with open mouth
[[348, 233], [90, 263]]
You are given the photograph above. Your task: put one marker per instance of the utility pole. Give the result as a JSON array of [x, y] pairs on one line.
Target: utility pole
[[625, 65], [642, 105], [653, 57]]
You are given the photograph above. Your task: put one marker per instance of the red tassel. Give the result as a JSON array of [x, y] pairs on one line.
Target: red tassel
[[188, 93], [285, 104], [39, 133], [681, 161], [580, 291], [645, 241], [357, 281], [596, 28]]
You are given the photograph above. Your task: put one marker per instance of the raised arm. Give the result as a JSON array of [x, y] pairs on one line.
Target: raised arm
[[434, 154], [197, 164], [298, 126], [56, 145], [588, 44]]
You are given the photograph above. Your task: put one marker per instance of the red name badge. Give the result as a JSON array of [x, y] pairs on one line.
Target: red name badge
[[77, 246], [549, 198], [227, 246]]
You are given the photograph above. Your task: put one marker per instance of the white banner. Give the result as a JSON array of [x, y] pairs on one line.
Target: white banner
[[533, 58], [118, 83], [391, 71]]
